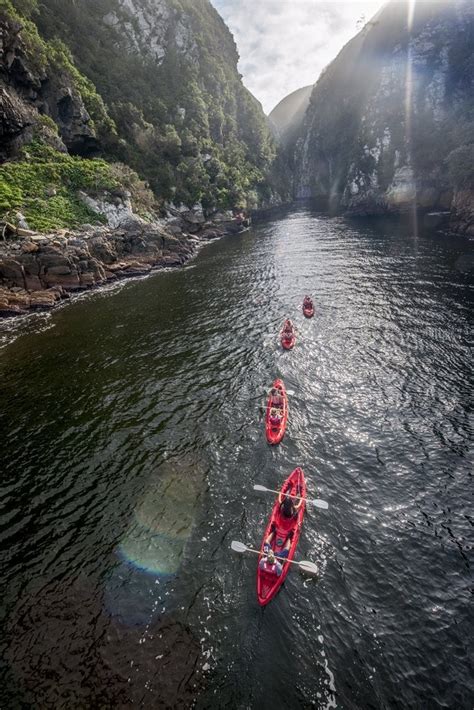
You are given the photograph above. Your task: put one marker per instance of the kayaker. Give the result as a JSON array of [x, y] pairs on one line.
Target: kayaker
[[277, 399], [289, 506], [269, 563], [267, 544], [275, 417]]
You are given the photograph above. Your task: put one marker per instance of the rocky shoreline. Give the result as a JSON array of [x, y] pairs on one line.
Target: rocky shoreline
[[39, 271]]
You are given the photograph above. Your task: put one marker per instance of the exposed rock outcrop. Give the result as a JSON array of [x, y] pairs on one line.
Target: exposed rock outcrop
[[30, 89], [462, 212], [39, 271]]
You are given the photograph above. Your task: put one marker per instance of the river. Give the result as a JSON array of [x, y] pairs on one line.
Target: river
[[132, 435]]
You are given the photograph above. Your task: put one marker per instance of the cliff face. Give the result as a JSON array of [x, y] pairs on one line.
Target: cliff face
[[37, 83], [391, 121], [167, 71], [149, 84]]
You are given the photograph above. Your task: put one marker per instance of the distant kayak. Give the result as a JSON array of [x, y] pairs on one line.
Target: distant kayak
[[274, 429], [268, 581], [288, 336], [308, 309]]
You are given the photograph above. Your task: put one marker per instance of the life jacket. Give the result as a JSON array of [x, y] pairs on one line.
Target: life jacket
[[272, 569]]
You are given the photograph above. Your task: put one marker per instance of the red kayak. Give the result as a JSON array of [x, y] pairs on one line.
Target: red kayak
[[275, 431], [268, 581], [288, 340], [308, 310]]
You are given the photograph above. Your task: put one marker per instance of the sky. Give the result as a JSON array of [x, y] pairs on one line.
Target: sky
[[285, 44]]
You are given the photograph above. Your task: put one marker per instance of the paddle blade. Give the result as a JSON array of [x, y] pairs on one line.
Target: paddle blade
[[238, 546], [318, 503], [258, 487], [308, 568]]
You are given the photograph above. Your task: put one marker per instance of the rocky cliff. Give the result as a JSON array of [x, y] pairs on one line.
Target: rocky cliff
[[390, 124], [167, 71], [88, 92], [150, 85], [39, 270]]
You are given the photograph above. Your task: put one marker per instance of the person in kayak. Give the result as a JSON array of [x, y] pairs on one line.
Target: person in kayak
[[277, 398], [269, 563], [307, 302], [267, 549], [275, 416], [289, 507]]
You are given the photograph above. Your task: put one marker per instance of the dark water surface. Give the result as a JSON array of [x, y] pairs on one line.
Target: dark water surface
[[132, 437]]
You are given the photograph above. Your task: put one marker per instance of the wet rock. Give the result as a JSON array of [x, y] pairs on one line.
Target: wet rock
[[44, 299], [44, 270]]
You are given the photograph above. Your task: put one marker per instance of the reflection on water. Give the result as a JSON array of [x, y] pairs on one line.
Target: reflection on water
[[163, 519]]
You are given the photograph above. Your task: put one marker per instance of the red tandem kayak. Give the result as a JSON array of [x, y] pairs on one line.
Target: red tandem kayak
[[268, 582], [308, 310], [275, 432]]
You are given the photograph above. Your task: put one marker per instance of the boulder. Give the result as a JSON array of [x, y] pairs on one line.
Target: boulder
[[70, 282], [33, 283], [29, 247], [12, 271], [103, 250]]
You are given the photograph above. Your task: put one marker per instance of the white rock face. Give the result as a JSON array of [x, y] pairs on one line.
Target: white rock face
[[146, 25], [402, 191], [376, 121], [117, 210]]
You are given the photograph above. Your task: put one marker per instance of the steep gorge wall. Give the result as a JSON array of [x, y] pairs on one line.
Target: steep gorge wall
[[390, 124], [167, 71], [149, 85]]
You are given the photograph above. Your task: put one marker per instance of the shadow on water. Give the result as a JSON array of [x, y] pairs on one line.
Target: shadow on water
[[120, 637]]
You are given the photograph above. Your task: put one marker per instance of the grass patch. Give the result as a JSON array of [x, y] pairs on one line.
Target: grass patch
[[43, 185]]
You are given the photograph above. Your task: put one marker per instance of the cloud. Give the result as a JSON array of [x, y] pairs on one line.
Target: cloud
[[285, 44]]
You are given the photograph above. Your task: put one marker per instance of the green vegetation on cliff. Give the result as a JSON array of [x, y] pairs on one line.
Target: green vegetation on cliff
[[54, 57], [44, 184], [162, 89]]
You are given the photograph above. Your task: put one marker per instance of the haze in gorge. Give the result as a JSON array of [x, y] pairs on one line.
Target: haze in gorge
[[200, 200]]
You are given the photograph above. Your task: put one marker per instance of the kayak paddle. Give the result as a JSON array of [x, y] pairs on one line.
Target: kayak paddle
[[317, 502], [305, 566]]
